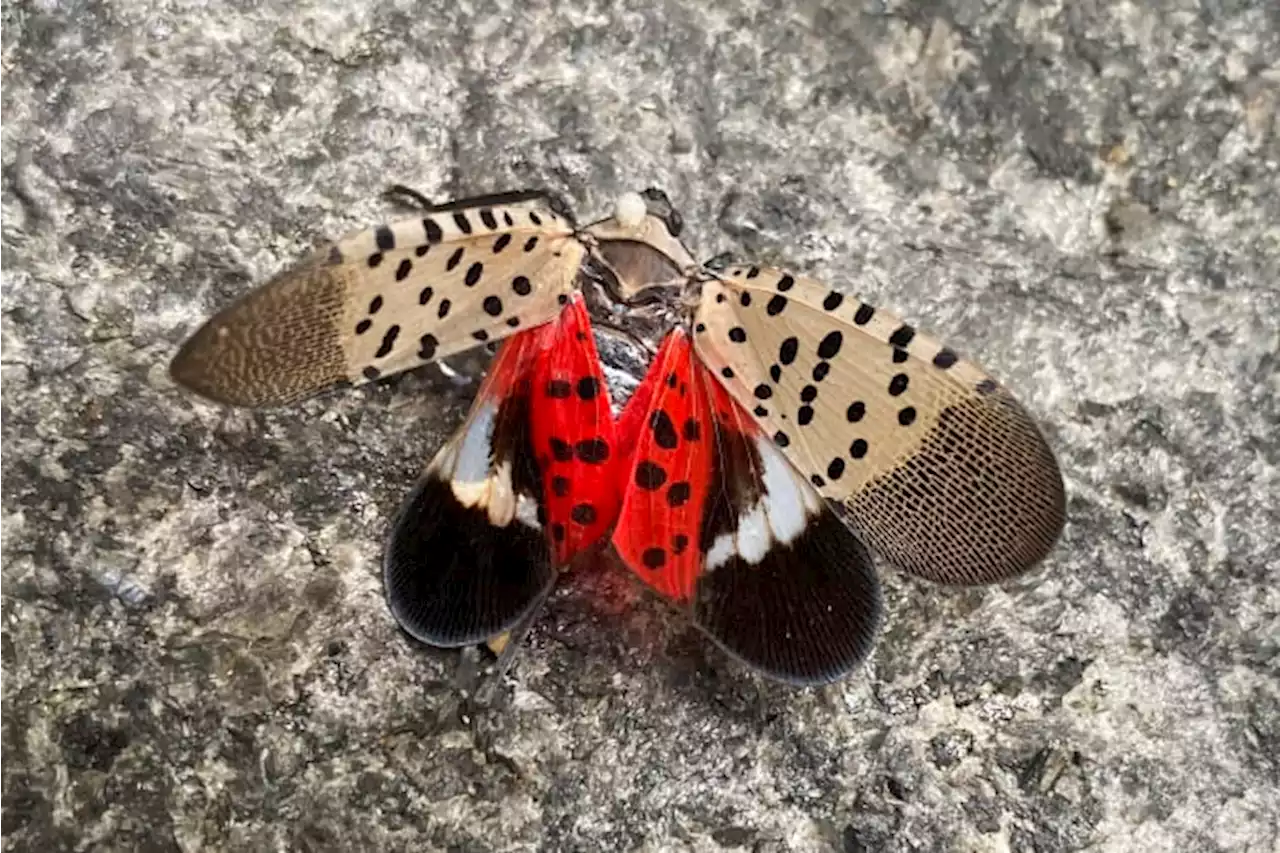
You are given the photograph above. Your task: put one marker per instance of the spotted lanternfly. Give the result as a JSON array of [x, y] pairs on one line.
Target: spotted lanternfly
[[393, 297], [527, 482], [797, 426], [783, 433], [467, 554]]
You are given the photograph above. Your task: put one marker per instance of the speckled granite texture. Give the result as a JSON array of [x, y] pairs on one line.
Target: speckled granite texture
[[196, 652]]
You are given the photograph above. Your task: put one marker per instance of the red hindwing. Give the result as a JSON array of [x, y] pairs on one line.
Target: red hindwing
[[715, 519], [573, 435], [524, 484], [668, 471]]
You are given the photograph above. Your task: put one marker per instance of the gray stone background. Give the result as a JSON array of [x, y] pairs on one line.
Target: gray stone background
[[196, 653]]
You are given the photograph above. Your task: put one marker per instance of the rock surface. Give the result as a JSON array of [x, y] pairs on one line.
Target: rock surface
[[196, 652]]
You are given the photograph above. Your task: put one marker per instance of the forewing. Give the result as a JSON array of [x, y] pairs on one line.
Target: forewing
[[386, 299], [573, 433], [932, 462], [467, 556], [715, 519]]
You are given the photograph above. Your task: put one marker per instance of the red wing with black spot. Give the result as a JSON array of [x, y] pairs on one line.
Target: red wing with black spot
[[715, 519], [503, 504], [573, 433]]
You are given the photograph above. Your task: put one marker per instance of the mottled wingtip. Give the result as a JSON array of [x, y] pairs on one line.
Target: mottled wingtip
[[992, 508], [275, 345], [194, 369]]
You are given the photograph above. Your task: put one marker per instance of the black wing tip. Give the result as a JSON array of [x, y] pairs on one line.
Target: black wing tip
[[807, 614], [451, 578]]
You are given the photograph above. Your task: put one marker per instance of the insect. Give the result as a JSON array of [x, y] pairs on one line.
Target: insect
[[784, 431], [466, 557]]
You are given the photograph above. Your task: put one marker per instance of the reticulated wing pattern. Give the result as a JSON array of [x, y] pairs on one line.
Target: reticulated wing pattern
[[384, 300], [715, 519], [930, 460]]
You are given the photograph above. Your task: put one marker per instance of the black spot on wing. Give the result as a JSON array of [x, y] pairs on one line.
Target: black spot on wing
[[654, 558], [388, 342], [664, 431], [806, 614], [650, 475], [592, 451]]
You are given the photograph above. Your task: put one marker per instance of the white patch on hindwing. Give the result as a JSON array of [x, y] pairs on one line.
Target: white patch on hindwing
[[849, 391], [465, 464], [471, 463], [786, 506]]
